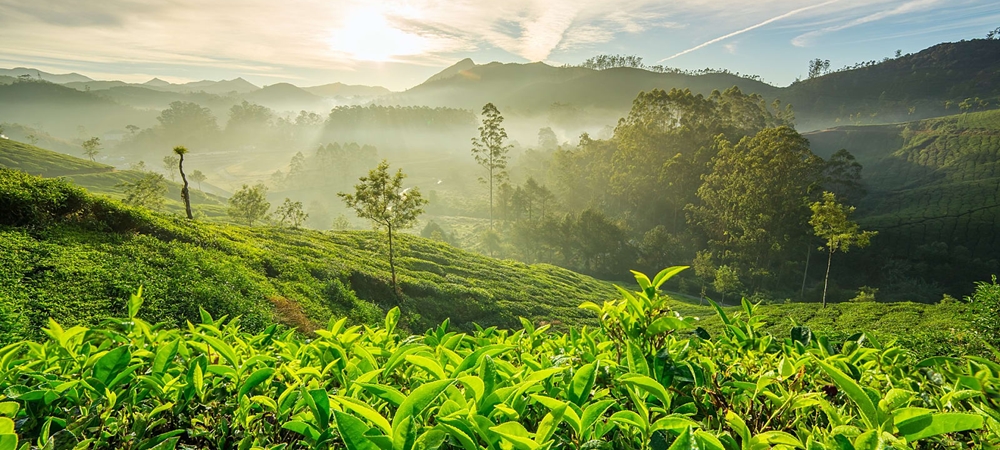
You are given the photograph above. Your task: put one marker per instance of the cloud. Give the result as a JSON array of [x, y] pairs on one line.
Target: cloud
[[750, 28], [805, 39]]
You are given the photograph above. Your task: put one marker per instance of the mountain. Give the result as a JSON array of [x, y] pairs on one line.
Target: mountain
[[100, 178], [50, 77], [335, 90], [238, 85], [454, 69], [94, 85], [906, 88], [537, 86], [284, 96], [933, 190], [156, 82], [63, 111]]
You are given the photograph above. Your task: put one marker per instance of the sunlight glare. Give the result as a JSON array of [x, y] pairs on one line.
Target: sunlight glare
[[366, 35]]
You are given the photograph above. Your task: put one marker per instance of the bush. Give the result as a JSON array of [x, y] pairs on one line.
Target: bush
[[986, 310]]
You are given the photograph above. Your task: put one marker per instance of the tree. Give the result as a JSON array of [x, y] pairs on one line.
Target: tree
[[180, 151], [547, 139], [169, 162], [704, 270], [198, 177], [726, 281], [91, 147], [818, 67], [32, 138], [995, 34], [490, 151], [132, 129], [249, 204], [830, 221], [842, 176], [754, 203], [292, 213], [381, 198], [147, 191]]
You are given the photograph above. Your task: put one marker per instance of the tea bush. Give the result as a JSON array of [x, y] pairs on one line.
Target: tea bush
[[646, 378]]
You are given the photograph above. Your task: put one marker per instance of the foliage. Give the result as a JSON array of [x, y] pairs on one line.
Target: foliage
[[490, 150], [645, 379], [249, 204], [818, 67], [92, 147], [831, 223], [146, 192], [986, 310], [382, 200], [291, 213], [726, 281], [198, 177], [753, 204]]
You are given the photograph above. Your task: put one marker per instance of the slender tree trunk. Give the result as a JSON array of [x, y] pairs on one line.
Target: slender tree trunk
[[805, 273], [826, 280], [185, 193], [392, 266], [491, 194]]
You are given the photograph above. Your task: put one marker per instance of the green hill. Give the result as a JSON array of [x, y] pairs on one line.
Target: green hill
[[73, 256], [76, 257], [64, 111], [934, 190], [906, 88], [99, 178]]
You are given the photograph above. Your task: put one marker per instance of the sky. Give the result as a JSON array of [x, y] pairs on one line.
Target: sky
[[399, 44]]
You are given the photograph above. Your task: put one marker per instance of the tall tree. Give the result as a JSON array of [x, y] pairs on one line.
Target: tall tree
[[249, 204], [180, 151], [490, 150], [830, 221], [381, 199], [91, 147]]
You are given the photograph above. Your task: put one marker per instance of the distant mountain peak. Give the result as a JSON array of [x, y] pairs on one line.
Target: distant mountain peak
[[453, 70], [156, 82]]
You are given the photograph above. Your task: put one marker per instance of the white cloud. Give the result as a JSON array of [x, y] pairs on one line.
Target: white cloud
[[806, 39]]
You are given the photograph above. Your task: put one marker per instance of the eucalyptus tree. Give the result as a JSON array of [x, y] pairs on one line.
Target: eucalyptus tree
[[490, 150]]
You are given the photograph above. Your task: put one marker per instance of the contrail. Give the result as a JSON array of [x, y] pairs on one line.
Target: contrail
[[752, 27]]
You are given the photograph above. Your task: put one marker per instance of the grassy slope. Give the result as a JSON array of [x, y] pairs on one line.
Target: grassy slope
[[935, 180], [99, 178], [80, 265]]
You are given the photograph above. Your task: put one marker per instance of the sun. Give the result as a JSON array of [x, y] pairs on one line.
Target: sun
[[367, 35]]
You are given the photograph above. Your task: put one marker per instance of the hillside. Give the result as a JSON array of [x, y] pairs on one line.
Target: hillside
[[285, 96], [76, 257], [99, 178], [922, 81], [73, 256], [334, 90], [63, 111], [50, 77], [536, 86], [935, 182]]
